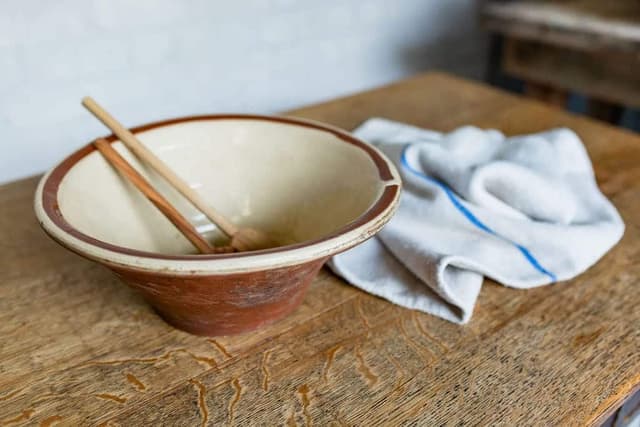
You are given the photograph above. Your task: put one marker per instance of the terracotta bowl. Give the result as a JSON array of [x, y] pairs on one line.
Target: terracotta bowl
[[314, 188]]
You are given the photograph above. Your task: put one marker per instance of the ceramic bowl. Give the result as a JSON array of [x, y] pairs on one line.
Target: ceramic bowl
[[314, 188]]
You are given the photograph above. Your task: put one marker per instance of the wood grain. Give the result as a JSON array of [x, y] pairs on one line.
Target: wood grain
[[79, 347]]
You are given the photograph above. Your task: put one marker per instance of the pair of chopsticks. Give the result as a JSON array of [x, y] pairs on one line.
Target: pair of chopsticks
[[160, 202], [241, 238]]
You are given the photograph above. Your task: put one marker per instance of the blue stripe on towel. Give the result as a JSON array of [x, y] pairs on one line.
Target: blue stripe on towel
[[472, 218]]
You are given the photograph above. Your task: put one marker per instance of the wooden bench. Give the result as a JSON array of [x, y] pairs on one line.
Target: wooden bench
[[587, 46]]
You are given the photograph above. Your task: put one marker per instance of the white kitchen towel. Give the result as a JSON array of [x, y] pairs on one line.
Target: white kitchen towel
[[525, 211]]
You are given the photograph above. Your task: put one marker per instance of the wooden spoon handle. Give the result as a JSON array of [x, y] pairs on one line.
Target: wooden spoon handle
[[156, 198], [159, 166]]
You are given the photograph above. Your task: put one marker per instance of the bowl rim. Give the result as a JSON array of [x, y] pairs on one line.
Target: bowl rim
[[361, 228]]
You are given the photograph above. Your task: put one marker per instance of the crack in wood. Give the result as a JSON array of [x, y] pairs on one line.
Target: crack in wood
[[49, 421], [424, 353], [331, 353], [133, 380], [584, 339], [265, 372], [304, 398], [209, 361], [439, 343], [202, 404], [220, 347], [399, 369], [358, 304], [364, 368], [232, 404]]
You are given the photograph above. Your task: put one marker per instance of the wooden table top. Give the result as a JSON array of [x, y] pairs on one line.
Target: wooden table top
[[77, 346], [581, 24]]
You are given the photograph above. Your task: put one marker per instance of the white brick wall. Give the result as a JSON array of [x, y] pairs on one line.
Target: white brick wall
[[152, 59]]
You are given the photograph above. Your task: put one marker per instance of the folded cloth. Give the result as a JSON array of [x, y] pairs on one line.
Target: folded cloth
[[525, 211]]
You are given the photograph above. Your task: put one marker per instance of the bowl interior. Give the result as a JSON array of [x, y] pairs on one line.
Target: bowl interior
[[297, 183]]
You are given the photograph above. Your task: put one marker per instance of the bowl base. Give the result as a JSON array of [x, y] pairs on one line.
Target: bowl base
[[224, 304]]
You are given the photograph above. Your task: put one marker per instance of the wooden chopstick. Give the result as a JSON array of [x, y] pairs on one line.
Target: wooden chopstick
[[163, 205], [129, 139]]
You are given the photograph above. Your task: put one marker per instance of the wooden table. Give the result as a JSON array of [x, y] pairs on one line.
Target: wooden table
[[79, 347]]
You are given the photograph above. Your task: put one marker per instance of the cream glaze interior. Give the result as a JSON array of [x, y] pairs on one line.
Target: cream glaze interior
[[296, 183]]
